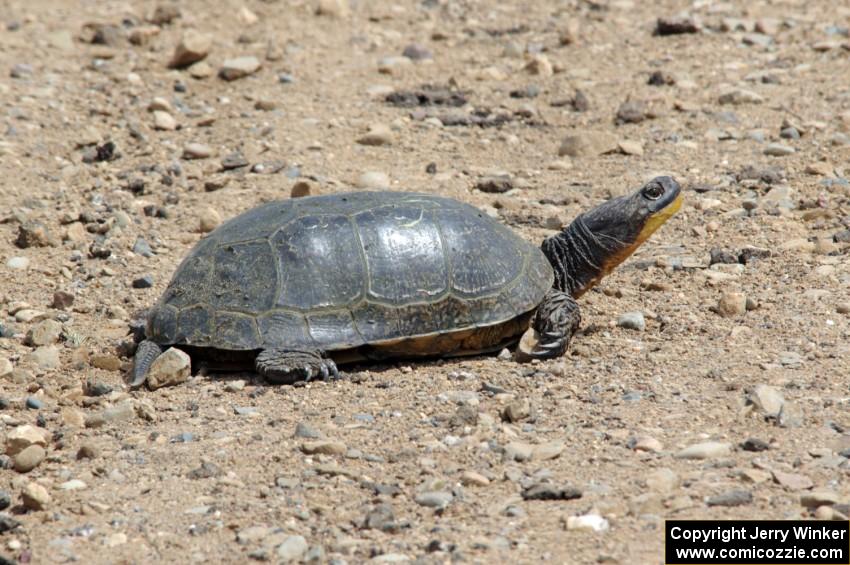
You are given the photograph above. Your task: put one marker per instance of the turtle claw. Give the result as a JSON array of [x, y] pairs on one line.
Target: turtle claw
[[327, 370], [550, 349], [289, 366], [556, 320]]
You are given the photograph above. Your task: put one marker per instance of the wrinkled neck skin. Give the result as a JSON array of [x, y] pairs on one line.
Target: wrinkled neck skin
[[580, 258]]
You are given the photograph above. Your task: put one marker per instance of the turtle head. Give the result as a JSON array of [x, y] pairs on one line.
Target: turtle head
[[599, 240]]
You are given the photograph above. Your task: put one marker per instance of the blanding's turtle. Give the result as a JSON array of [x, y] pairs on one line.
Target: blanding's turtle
[[296, 284]]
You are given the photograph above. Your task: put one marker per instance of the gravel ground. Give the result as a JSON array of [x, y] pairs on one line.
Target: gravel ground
[[711, 376]]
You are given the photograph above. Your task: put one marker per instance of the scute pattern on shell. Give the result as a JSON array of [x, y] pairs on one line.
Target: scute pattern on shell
[[340, 271]]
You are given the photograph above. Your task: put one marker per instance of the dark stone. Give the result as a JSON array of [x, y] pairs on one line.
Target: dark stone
[[136, 186], [548, 491], [723, 256], [495, 184], [62, 300], [106, 152], [580, 102], [21, 70], [207, 470], [417, 52], [431, 168], [142, 247], [5, 500], [755, 444], [465, 415], [731, 498], [675, 26], [428, 95], [97, 388], [145, 281], [165, 14], [842, 237], [234, 160], [767, 175], [34, 234], [105, 34], [34, 403], [380, 517], [7, 523], [530, 91], [306, 431], [437, 545], [97, 251], [631, 112], [381, 489], [154, 211], [749, 255], [660, 78]]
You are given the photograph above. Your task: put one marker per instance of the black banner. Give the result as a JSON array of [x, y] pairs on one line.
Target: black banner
[[756, 542]]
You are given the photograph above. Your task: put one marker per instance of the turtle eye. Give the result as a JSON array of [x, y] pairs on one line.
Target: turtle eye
[[653, 191]]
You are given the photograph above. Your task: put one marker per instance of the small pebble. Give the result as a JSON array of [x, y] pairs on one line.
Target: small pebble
[[234, 160], [374, 180], [378, 134], [292, 549], [305, 430], [417, 52], [434, 499], [592, 522], [145, 281], [705, 450], [324, 447], [632, 321], [208, 219], [29, 458], [732, 304], [196, 151], [18, 263], [549, 491], [34, 403], [193, 47], [239, 67], [171, 368], [737, 497], [35, 497], [778, 150], [755, 445]]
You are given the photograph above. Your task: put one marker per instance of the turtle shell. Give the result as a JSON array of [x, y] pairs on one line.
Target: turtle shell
[[346, 270]]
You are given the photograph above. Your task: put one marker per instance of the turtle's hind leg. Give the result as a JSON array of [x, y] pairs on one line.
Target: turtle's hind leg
[[556, 320], [146, 353], [286, 366]]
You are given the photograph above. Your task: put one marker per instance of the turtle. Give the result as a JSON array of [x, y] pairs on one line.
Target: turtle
[[300, 285]]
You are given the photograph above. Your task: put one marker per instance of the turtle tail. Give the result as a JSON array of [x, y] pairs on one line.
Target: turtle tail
[[146, 354]]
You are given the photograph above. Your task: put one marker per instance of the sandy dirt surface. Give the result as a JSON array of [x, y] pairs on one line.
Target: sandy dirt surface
[[711, 376]]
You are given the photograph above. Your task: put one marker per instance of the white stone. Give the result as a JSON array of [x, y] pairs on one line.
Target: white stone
[[18, 263], [171, 368], [705, 450], [374, 180]]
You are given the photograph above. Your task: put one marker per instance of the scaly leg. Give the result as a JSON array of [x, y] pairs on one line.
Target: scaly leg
[[556, 320], [286, 366]]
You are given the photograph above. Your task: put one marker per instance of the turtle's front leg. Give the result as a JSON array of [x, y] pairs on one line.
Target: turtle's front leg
[[556, 320], [286, 366]]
